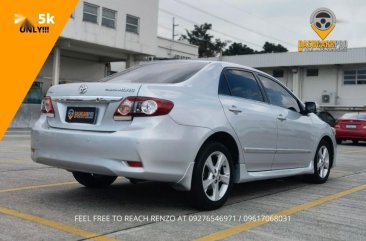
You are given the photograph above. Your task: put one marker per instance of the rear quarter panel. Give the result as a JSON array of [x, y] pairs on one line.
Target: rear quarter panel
[[196, 101]]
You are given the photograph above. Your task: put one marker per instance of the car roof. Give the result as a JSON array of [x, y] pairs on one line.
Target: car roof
[[353, 115]]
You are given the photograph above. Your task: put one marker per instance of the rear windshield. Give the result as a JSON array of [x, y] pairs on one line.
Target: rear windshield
[[355, 115], [362, 116], [159, 72]]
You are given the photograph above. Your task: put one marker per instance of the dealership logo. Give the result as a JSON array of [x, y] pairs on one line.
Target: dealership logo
[[43, 23], [323, 22], [70, 114], [83, 89]]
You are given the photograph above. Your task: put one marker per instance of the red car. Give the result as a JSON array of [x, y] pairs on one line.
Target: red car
[[351, 126]]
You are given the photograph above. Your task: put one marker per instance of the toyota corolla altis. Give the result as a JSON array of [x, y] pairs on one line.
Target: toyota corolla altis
[[201, 126]]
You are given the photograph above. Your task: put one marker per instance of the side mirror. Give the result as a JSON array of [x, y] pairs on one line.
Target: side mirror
[[310, 107]]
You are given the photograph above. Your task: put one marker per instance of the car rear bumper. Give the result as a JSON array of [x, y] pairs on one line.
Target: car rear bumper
[[165, 148], [351, 134]]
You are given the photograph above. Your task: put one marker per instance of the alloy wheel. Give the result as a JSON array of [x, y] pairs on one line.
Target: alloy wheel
[[323, 162], [216, 176]]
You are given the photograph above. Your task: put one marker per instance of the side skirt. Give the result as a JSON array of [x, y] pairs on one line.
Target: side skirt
[[246, 176]]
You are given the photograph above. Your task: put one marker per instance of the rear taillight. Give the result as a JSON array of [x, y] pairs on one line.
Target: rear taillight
[[337, 124], [142, 106], [47, 107]]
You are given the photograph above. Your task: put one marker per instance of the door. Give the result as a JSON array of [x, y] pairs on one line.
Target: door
[[251, 118], [295, 141]]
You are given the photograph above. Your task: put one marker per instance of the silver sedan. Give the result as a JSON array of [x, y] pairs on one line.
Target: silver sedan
[[201, 126]]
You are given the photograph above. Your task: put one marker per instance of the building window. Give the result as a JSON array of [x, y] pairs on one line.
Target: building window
[[278, 73], [353, 77], [132, 24], [90, 13], [109, 18], [349, 77], [312, 72], [361, 77]]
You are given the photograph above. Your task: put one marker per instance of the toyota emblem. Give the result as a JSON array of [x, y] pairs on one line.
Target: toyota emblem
[[83, 89]]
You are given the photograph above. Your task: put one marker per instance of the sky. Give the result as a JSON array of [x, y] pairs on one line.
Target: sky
[[253, 22]]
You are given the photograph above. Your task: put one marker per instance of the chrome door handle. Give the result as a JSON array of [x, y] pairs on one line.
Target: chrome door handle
[[281, 118], [234, 109]]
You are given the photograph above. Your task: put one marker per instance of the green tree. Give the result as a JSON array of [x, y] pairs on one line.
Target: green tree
[[273, 48], [238, 49], [207, 45]]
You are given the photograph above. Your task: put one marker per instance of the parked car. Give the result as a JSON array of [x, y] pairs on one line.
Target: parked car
[[34, 95], [201, 126], [351, 126], [327, 118]]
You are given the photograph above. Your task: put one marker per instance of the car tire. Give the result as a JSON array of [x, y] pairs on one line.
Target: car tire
[[135, 181], [355, 142], [212, 179], [322, 163], [339, 141], [93, 180]]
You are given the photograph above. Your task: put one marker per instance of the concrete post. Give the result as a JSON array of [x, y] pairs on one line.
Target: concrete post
[[56, 66], [296, 81], [220, 58], [107, 69], [339, 73], [130, 61]]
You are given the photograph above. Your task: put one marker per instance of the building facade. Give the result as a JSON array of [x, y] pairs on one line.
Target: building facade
[[100, 35], [332, 79]]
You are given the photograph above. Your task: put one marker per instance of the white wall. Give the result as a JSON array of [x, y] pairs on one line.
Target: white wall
[[71, 70], [287, 75], [312, 88], [348, 95], [168, 48], [145, 42], [352, 94], [118, 66]]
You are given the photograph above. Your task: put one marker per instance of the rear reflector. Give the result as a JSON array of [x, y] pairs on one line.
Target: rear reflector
[[134, 164], [47, 107], [142, 106]]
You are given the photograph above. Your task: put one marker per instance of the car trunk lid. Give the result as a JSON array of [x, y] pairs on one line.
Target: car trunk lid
[[351, 124], [89, 106]]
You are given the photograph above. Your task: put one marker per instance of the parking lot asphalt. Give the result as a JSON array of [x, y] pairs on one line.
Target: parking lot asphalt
[[44, 203]]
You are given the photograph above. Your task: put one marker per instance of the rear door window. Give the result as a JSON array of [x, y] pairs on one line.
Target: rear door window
[[241, 84], [354, 115], [350, 116], [362, 116]]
